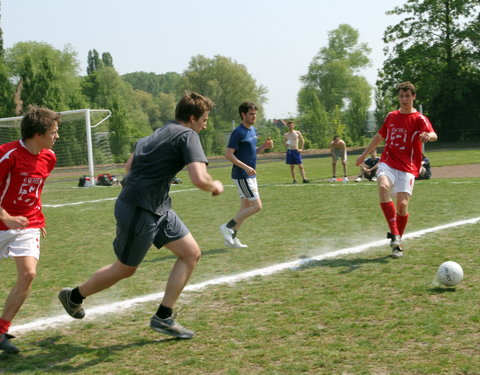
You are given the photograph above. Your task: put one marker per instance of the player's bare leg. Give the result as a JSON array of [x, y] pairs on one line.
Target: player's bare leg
[[26, 272], [247, 209], [188, 253], [105, 277], [292, 172]]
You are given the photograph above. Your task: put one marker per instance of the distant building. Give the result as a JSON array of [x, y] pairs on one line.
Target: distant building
[[281, 124]]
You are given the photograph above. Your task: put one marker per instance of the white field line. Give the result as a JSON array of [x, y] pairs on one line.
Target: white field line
[[231, 279], [231, 186]]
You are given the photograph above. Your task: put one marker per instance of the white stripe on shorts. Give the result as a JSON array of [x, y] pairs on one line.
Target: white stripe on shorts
[[247, 188]]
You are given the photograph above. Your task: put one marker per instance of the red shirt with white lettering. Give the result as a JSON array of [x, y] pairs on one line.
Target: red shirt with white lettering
[[22, 177], [403, 147]]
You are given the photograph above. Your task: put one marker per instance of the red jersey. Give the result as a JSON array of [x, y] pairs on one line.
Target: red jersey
[[403, 147], [22, 177]]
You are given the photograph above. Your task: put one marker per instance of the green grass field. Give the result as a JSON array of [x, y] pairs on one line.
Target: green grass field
[[363, 313]]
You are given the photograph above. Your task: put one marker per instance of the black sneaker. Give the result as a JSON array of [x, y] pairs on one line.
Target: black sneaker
[[397, 252], [6, 345], [395, 240], [294, 181], [306, 181], [75, 310], [170, 327]]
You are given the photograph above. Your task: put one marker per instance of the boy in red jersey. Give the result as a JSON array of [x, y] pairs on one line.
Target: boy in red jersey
[[404, 131], [24, 167]]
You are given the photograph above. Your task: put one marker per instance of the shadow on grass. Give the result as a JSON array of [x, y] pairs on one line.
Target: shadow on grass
[[348, 265], [54, 357], [162, 258], [440, 290]]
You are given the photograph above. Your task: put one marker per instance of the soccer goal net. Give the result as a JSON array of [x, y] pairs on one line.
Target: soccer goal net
[[84, 143]]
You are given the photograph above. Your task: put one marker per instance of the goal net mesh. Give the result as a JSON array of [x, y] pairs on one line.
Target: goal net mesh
[[71, 148]]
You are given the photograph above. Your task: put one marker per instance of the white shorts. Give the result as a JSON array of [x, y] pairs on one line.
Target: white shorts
[[247, 188], [20, 243], [402, 182]]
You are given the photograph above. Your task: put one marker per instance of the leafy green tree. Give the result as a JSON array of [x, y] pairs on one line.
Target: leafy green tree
[[41, 88], [155, 84], [166, 103], [104, 88], [93, 61], [6, 88], [332, 82], [107, 59], [228, 84], [28, 62], [436, 46], [313, 118], [7, 106]]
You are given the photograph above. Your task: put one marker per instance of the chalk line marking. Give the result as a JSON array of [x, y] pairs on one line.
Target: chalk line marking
[[319, 184], [95, 311]]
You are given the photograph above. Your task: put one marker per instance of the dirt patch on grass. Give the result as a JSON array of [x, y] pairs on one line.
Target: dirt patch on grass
[[470, 170]]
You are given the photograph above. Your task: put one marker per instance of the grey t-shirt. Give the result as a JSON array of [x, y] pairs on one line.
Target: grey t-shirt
[[157, 159]]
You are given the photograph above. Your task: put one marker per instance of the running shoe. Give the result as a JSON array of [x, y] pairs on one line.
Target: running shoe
[[6, 345], [397, 252], [236, 244], [227, 234], [75, 310], [170, 327], [395, 240]]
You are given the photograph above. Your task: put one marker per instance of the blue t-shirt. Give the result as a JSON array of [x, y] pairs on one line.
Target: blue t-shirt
[[244, 141]]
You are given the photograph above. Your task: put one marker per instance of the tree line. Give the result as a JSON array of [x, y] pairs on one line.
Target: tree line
[[436, 46]]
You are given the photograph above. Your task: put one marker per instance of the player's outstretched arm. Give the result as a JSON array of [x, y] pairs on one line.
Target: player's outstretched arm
[[202, 179]]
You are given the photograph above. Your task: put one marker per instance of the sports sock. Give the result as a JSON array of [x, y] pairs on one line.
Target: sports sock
[[234, 233], [4, 326], [164, 312], [231, 224], [76, 297], [390, 213], [401, 223]]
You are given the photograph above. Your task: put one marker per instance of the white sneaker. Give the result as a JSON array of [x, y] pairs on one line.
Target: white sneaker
[[236, 244], [332, 180], [358, 179], [374, 179], [345, 180], [227, 234]]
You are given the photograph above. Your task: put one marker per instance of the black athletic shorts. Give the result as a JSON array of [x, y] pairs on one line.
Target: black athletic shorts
[[137, 229]]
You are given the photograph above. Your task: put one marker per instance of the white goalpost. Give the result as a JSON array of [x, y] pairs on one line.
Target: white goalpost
[[83, 143]]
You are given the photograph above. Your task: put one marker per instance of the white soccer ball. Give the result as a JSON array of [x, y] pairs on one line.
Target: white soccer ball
[[450, 273]]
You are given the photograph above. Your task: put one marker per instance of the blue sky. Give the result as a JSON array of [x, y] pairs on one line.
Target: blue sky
[[275, 39]]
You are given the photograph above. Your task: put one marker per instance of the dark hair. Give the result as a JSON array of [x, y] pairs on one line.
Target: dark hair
[[38, 121], [289, 122], [405, 86], [336, 137], [192, 103], [245, 107]]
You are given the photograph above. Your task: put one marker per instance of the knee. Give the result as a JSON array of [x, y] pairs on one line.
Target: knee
[[402, 207], [193, 256], [384, 190], [130, 272], [125, 271], [258, 206], [27, 277]]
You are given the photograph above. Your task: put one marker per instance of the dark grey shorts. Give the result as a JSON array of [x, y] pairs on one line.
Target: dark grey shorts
[[138, 229]]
